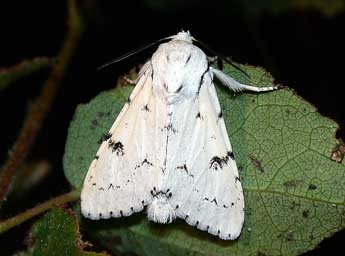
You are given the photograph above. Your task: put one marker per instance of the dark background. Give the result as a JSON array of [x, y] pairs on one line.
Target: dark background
[[301, 48]]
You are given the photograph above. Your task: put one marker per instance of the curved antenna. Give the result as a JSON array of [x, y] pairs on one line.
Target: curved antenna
[[221, 57], [131, 53]]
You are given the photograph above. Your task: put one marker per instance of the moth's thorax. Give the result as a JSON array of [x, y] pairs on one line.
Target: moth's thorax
[[183, 36], [178, 67]]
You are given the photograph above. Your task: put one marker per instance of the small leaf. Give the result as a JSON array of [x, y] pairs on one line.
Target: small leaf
[[57, 233], [294, 192], [27, 67]]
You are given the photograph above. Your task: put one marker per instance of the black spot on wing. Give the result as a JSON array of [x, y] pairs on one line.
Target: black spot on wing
[[146, 108], [170, 127], [214, 200], [154, 192], [188, 59], [146, 162], [202, 78], [104, 137], [218, 162], [116, 147], [231, 155], [183, 167], [179, 89], [220, 114], [152, 70]]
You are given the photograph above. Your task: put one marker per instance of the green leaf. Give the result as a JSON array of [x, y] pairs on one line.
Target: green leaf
[[294, 193], [26, 67], [57, 233]]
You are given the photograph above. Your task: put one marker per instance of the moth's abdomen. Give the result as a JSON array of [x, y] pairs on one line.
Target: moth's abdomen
[[160, 210]]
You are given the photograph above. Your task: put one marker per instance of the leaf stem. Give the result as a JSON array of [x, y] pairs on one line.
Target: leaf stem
[[20, 218], [41, 106]]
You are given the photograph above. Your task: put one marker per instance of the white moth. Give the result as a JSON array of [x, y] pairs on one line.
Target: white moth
[[169, 150]]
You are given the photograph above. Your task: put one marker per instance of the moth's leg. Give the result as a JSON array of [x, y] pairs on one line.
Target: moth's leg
[[212, 59], [215, 61], [128, 80], [236, 86], [146, 69]]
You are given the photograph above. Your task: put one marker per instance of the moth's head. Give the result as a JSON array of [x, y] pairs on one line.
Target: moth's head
[[178, 67], [183, 36]]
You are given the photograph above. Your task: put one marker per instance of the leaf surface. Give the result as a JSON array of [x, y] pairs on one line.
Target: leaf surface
[[294, 192], [57, 233]]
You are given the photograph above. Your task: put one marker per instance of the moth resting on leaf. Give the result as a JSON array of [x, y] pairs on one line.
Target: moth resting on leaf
[[168, 150]]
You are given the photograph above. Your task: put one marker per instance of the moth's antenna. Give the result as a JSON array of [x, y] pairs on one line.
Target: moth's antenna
[[222, 57], [131, 53]]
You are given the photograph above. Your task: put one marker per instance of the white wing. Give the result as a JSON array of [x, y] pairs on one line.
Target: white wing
[[129, 162], [203, 181]]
